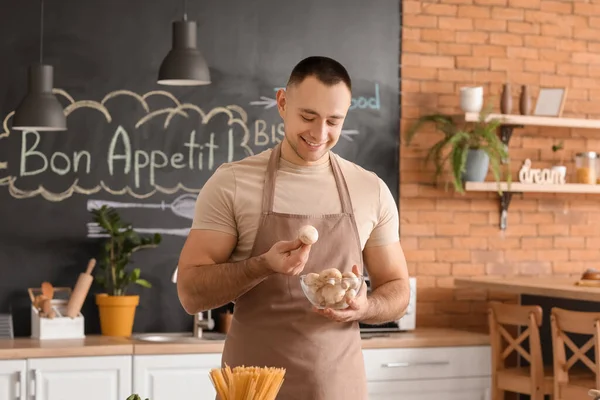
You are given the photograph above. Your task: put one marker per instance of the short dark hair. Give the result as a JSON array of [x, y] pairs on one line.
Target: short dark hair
[[325, 69]]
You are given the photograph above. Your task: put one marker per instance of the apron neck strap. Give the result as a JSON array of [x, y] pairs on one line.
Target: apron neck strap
[[273, 166]]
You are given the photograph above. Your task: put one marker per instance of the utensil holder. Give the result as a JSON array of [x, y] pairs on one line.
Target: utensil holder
[[59, 327]]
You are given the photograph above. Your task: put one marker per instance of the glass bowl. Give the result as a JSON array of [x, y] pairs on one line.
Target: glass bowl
[[330, 293]]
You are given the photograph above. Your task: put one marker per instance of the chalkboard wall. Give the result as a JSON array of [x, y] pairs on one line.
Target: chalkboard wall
[[147, 146]]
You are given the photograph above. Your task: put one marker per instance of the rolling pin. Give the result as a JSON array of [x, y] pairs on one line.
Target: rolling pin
[[80, 291]]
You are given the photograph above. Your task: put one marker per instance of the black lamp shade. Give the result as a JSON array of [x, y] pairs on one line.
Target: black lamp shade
[[184, 65], [40, 110]]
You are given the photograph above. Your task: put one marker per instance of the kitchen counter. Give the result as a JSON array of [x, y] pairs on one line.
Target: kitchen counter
[[92, 345], [557, 287], [96, 345]]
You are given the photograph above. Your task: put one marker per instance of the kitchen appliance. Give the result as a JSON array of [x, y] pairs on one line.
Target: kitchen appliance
[[406, 323], [6, 326]]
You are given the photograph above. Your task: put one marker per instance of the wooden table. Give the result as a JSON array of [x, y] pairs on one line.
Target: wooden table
[[548, 286]]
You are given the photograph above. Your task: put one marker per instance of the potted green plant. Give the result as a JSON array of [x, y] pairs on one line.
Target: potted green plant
[[116, 306], [561, 169], [470, 148], [135, 396]]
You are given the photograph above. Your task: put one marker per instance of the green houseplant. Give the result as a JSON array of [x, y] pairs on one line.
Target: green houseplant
[[116, 306], [470, 148], [135, 396]]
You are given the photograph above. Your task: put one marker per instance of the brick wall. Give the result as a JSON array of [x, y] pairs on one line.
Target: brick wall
[[450, 43]]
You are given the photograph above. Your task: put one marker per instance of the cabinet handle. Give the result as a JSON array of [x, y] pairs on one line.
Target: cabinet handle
[[413, 364], [19, 385], [36, 380]]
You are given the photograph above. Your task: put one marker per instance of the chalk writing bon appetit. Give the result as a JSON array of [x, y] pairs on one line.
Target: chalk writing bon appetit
[[128, 161]]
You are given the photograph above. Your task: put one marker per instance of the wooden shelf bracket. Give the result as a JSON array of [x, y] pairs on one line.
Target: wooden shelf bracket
[[505, 199], [506, 132]]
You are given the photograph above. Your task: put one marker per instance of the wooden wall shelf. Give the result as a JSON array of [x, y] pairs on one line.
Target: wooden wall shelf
[[512, 121], [518, 187], [532, 120]]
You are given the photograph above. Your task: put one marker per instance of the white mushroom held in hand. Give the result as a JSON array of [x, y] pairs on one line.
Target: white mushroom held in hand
[[308, 234], [350, 294], [350, 281], [312, 279], [332, 294]]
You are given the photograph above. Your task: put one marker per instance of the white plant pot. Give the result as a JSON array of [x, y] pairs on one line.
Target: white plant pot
[[471, 98]]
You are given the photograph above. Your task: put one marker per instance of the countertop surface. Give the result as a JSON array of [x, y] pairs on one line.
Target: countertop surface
[[549, 286], [96, 345]]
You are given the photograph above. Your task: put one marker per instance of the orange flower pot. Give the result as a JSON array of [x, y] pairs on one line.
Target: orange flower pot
[[117, 314]]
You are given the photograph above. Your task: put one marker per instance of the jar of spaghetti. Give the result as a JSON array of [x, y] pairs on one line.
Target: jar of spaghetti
[[585, 164]]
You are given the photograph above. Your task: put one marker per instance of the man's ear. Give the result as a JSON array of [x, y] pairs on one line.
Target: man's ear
[[281, 101]]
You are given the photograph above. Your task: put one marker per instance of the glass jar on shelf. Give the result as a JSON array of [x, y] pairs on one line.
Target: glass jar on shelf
[[585, 164]]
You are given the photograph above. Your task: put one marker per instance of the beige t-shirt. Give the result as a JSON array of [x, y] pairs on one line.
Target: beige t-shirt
[[231, 199]]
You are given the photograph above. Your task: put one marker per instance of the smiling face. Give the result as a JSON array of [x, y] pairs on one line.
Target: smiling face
[[313, 114]]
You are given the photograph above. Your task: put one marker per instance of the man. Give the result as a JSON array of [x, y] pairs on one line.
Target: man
[[243, 245]]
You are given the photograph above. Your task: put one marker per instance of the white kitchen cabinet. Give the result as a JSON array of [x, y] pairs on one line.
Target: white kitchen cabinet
[[76, 378], [178, 376], [431, 389], [433, 373], [426, 373], [13, 375]]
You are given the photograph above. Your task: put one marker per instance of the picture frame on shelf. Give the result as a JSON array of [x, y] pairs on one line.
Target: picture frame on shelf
[[550, 102]]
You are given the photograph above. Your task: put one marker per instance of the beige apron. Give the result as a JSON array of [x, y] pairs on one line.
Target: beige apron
[[273, 323]]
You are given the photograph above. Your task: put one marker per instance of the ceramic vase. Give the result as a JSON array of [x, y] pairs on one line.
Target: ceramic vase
[[506, 99]]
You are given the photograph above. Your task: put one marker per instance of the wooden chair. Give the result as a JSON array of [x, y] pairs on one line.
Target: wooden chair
[[533, 380], [575, 383]]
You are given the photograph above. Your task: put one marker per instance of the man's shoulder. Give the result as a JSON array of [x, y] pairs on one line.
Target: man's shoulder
[[256, 160], [247, 165], [356, 172]]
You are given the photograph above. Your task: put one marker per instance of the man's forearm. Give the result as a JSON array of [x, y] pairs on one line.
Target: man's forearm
[[206, 287], [388, 302]]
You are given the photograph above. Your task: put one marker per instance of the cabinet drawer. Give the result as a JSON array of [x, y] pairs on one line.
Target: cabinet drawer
[[427, 363]]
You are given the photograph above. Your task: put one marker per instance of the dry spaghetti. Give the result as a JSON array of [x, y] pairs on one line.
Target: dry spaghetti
[[247, 383]]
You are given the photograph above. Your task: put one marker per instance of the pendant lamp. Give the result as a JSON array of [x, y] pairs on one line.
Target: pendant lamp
[[40, 110], [184, 65]]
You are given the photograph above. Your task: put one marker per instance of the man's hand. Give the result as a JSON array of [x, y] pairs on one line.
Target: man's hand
[[287, 257], [357, 307]]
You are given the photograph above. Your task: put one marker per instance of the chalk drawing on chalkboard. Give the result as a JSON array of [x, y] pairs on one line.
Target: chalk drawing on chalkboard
[[347, 134], [235, 131], [96, 231], [153, 114], [239, 110], [264, 101], [88, 104], [123, 92], [182, 206], [162, 93], [64, 94], [158, 189]]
